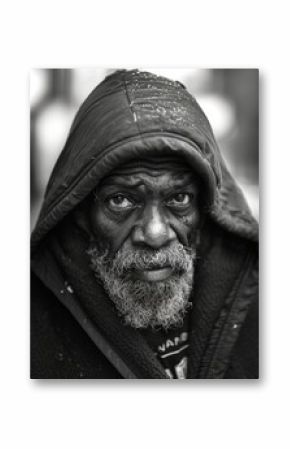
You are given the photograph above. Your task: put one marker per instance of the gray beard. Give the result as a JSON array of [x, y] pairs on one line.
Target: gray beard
[[144, 304]]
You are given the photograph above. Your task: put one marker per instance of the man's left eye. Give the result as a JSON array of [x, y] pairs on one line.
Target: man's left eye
[[180, 199]]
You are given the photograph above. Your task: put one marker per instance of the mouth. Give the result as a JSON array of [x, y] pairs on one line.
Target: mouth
[[153, 274]]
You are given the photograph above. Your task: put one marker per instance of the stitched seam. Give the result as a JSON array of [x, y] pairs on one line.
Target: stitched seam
[[130, 104]]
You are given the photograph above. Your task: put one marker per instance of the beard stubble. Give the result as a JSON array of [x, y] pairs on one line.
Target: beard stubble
[[143, 304]]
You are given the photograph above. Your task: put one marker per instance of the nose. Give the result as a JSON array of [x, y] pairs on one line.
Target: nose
[[153, 229]]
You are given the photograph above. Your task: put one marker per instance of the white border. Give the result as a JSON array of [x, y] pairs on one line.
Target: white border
[[138, 414]]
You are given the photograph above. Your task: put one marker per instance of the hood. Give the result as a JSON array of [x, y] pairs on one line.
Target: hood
[[131, 115]]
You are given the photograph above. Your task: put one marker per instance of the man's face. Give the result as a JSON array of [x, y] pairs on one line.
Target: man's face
[[144, 221]]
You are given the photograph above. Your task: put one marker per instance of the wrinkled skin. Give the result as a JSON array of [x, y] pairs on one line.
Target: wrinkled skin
[[144, 220], [146, 207]]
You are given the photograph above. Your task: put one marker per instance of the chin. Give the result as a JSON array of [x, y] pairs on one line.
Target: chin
[[142, 303]]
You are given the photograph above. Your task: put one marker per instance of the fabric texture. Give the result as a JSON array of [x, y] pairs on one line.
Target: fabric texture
[[171, 348], [129, 116]]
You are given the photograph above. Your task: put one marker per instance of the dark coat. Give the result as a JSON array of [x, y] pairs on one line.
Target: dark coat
[[131, 115]]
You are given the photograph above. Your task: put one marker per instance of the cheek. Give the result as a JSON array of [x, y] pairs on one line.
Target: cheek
[[186, 226], [109, 233], [190, 221]]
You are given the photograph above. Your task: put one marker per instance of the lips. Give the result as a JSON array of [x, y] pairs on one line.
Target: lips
[[154, 275]]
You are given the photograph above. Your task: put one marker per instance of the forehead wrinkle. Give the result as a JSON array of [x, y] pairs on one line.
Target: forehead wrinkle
[[159, 181], [127, 174]]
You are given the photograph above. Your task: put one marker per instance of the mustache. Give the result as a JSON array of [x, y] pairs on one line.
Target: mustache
[[178, 257]]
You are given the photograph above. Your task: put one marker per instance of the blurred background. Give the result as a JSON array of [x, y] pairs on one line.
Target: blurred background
[[229, 98]]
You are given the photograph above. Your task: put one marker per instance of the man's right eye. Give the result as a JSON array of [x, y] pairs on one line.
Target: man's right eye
[[120, 202]]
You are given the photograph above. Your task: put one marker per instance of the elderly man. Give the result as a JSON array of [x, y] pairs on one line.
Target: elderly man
[[144, 256]]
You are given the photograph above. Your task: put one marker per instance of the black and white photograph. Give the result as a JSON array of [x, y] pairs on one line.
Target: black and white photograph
[[144, 220]]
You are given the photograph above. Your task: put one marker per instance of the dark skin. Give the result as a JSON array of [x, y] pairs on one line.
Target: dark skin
[[147, 207]]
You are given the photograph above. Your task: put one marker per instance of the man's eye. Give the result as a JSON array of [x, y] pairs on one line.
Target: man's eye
[[120, 202], [180, 199]]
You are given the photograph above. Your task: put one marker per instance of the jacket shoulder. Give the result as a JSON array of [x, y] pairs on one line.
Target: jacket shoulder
[[59, 347]]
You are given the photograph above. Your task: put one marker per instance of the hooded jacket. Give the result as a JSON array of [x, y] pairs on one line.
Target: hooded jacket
[[133, 115]]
